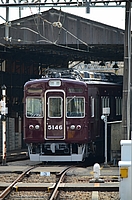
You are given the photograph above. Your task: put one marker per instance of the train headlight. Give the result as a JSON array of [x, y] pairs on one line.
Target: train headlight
[[72, 127], [37, 126], [31, 127], [78, 127]]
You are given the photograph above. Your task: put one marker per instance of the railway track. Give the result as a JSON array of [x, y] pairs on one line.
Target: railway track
[[64, 185], [55, 191], [6, 192]]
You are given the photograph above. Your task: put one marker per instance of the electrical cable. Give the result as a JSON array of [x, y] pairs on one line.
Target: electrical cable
[[59, 25], [55, 42]]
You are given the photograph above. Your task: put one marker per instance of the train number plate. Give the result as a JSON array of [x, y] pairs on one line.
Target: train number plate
[[55, 127]]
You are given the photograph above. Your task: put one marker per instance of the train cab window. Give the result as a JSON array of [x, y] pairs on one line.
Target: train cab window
[[54, 107], [75, 106], [92, 106], [118, 105], [34, 107]]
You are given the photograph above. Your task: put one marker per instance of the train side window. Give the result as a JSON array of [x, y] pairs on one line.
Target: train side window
[[105, 102], [34, 107], [118, 105], [54, 107], [75, 106], [92, 106]]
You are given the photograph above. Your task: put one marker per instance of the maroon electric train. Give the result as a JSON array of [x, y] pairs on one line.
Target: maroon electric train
[[62, 114]]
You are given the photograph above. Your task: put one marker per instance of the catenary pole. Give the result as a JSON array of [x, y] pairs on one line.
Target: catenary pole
[[126, 118]]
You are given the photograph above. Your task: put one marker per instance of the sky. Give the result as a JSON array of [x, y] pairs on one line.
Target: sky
[[110, 16], [113, 16]]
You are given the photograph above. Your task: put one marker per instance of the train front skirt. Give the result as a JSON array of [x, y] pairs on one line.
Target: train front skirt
[[58, 158]]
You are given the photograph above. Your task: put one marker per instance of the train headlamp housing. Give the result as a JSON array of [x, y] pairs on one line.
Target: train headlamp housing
[[72, 127], [78, 127], [37, 126], [31, 127]]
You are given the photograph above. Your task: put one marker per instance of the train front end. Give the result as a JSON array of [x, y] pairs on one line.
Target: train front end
[[55, 119]]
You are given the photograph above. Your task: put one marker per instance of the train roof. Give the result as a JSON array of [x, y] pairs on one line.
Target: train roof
[[83, 77], [102, 77], [77, 81], [97, 82]]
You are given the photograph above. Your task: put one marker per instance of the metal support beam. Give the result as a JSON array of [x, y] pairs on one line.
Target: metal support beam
[[127, 73], [63, 3]]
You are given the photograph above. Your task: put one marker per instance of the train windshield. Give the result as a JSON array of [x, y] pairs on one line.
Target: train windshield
[[34, 107], [54, 107], [75, 106]]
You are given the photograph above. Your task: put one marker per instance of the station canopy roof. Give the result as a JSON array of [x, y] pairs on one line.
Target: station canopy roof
[[54, 38]]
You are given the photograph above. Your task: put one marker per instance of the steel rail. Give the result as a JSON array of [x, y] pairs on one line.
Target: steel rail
[[62, 175], [10, 187]]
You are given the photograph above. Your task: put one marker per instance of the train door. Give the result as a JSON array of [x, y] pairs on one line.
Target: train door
[[54, 115]]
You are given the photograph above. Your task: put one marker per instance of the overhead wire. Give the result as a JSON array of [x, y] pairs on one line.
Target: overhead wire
[[66, 32], [59, 19], [44, 39], [37, 25], [61, 28]]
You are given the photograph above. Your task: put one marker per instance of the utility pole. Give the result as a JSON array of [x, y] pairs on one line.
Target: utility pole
[[126, 117], [4, 111], [106, 112]]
